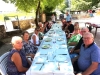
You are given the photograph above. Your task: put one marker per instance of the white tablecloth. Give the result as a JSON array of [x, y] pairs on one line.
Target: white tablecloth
[[52, 57]]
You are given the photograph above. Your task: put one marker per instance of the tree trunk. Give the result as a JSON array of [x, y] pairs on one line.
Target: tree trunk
[[37, 14]]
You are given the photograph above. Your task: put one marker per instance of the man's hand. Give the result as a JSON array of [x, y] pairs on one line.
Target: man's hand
[[79, 74], [71, 50]]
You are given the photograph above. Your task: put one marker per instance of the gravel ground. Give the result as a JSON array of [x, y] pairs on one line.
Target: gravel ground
[[7, 46]]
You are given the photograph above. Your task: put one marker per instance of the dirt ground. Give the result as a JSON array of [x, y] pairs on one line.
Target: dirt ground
[[7, 46]]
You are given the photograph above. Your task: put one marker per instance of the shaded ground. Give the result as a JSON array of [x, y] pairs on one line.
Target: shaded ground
[[7, 46]]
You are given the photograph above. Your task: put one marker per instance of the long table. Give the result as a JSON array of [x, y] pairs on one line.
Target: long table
[[52, 57]]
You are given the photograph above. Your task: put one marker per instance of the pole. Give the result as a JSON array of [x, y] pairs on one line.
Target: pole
[[68, 5]]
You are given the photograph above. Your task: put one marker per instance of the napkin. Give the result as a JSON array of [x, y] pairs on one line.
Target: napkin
[[35, 67], [50, 67], [62, 51], [40, 59], [60, 58]]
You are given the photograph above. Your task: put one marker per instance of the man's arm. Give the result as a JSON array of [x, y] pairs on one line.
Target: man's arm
[[72, 43], [91, 69], [76, 51]]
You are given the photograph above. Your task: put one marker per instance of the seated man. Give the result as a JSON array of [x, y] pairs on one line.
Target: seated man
[[70, 27], [89, 58], [75, 51]]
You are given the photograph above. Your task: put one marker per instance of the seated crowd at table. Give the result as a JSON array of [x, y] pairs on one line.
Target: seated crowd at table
[[83, 51], [85, 55]]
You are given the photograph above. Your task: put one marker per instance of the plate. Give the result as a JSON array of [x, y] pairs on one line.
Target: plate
[[50, 35], [48, 39], [63, 46], [51, 30], [60, 34], [46, 46], [60, 39], [60, 58]]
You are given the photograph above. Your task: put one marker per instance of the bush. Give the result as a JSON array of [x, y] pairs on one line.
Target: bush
[[6, 18]]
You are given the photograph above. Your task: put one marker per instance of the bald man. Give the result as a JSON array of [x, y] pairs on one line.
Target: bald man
[[89, 56]]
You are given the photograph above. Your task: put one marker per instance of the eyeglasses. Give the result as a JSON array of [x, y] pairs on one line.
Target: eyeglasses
[[83, 31], [84, 38]]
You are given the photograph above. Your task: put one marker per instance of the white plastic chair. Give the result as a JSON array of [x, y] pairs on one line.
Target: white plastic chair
[[9, 26], [32, 25], [3, 63]]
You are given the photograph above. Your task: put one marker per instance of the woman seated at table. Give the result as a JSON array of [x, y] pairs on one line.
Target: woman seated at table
[[45, 26], [17, 63], [48, 26], [75, 37], [28, 47], [76, 24], [41, 28], [41, 31], [35, 38]]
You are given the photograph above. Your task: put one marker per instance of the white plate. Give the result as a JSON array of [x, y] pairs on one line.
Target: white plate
[[46, 46], [60, 39], [50, 35], [63, 46], [60, 34], [48, 39]]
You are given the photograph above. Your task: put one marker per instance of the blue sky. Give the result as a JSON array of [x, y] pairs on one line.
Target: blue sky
[[6, 7]]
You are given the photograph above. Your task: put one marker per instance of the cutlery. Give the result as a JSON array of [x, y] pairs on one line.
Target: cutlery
[[42, 66]]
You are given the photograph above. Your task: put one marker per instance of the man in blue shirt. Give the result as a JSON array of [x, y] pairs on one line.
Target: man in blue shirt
[[68, 17], [89, 58]]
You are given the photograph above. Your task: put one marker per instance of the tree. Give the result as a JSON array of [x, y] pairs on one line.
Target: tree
[[37, 5], [80, 5], [62, 7], [84, 4]]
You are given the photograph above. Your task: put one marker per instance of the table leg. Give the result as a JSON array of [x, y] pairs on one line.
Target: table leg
[[95, 32]]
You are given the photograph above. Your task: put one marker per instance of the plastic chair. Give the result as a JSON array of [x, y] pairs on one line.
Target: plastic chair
[[9, 26], [32, 25], [3, 63]]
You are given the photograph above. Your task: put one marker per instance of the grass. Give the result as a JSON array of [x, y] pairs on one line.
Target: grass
[[19, 14]]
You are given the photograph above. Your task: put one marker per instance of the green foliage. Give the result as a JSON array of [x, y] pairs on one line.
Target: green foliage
[[62, 7], [95, 2], [29, 5], [9, 1], [81, 5], [6, 18]]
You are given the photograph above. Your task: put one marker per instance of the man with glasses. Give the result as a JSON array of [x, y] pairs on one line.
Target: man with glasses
[[89, 56]]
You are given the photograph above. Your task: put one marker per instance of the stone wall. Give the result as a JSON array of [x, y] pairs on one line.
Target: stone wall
[[24, 24], [2, 31]]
